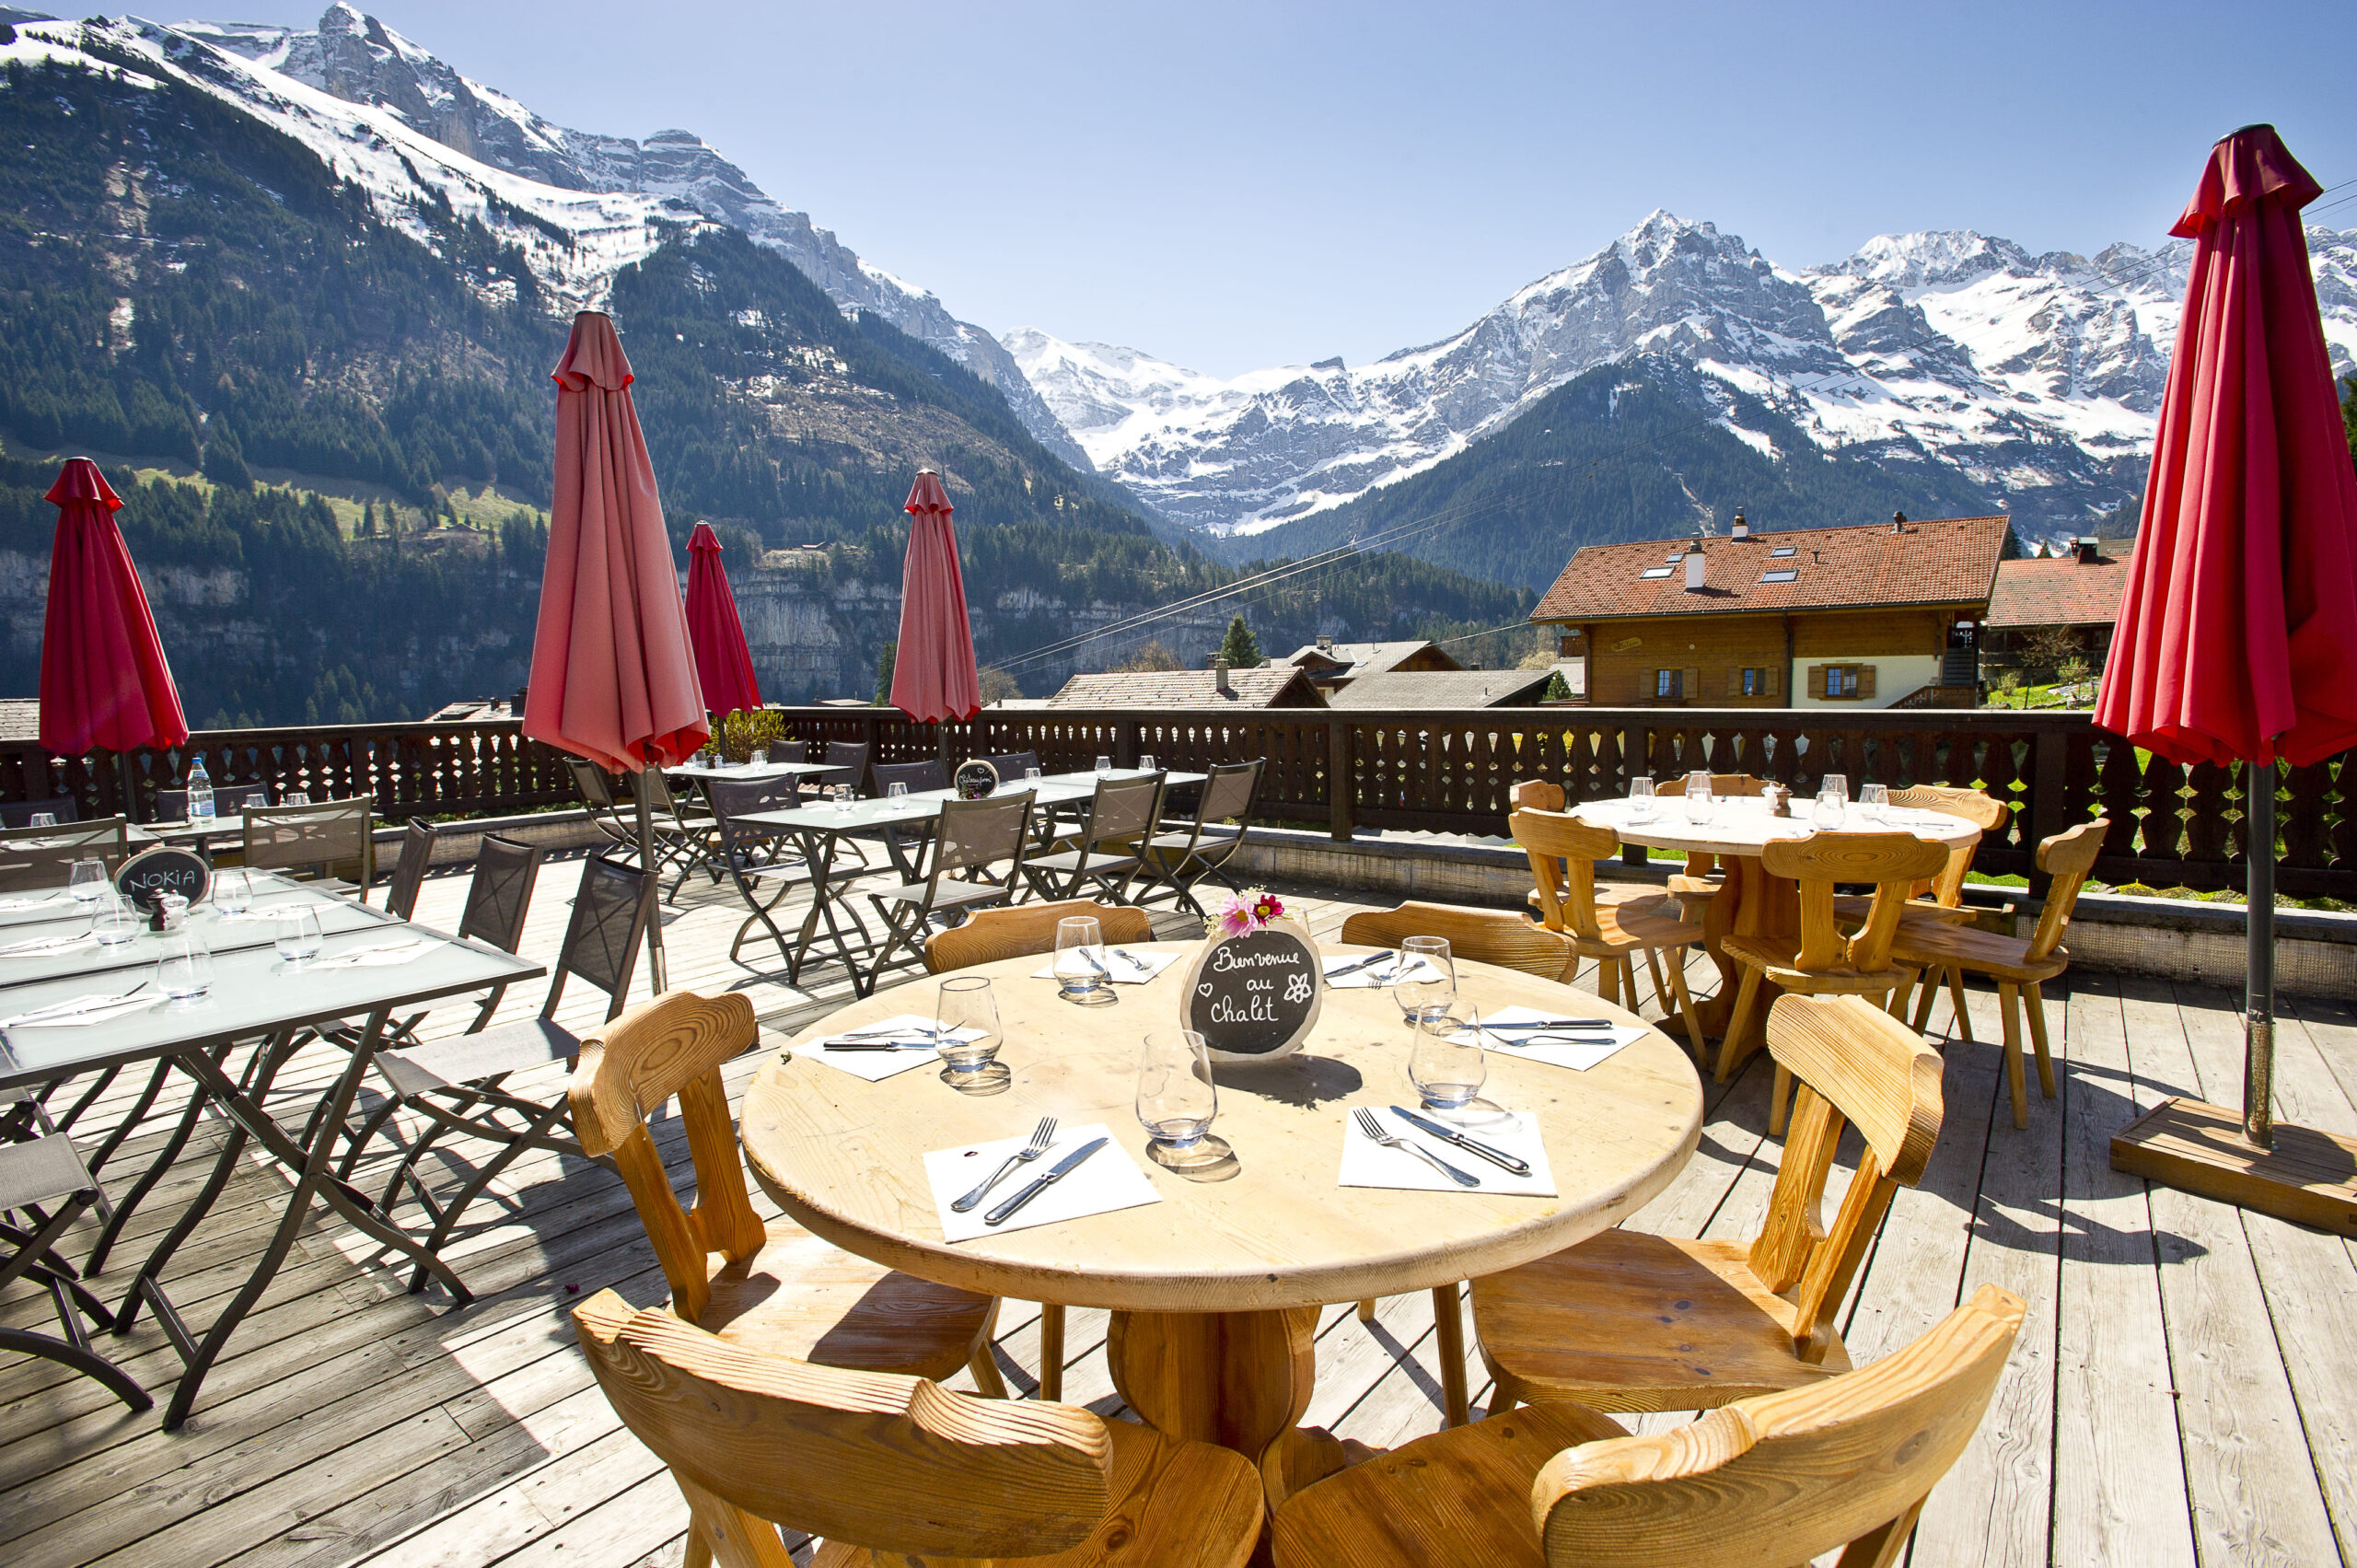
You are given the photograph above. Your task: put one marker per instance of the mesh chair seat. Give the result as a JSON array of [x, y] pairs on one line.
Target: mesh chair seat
[[465, 1058], [948, 895], [46, 1173]]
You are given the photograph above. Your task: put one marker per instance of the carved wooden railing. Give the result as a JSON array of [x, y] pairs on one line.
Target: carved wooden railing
[[1441, 771]]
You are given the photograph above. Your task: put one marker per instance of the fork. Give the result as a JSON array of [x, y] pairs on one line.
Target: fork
[[1042, 1136], [1374, 1129]]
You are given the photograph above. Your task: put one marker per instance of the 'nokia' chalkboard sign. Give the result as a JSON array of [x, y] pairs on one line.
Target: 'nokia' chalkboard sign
[[975, 780], [150, 874], [1255, 997]]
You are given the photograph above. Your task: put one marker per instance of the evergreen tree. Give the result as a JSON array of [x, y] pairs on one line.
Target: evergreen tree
[[885, 660], [1239, 647], [2349, 413]]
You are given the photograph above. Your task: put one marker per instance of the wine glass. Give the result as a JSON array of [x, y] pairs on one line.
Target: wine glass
[[970, 1066], [115, 923], [233, 891], [1426, 976], [184, 974], [1874, 799], [1698, 798], [1446, 1064], [1640, 800], [87, 882], [1176, 1101], [1079, 965], [298, 935]]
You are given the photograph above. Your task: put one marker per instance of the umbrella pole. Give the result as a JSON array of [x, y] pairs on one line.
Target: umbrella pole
[[656, 976], [2258, 1018]]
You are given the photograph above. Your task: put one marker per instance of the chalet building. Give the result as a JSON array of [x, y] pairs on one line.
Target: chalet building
[[1333, 665], [1877, 617], [1446, 689], [1269, 686], [2078, 595]]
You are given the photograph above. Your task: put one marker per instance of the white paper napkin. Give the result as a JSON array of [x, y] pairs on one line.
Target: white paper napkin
[[1579, 1049], [1375, 976], [380, 955], [1106, 1181], [10, 906], [876, 1066], [1366, 1163], [1120, 969], [77, 1010], [272, 911], [40, 945]]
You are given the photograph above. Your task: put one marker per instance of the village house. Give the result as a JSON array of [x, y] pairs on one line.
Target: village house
[[2046, 609], [1267, 686], [1874, 617], [1333, 665]]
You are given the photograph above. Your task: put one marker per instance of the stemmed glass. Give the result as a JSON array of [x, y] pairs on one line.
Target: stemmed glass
[[184, 974], [1176, 1101], [298, 935], [1430, 983], [1079, 964], [1698, 798], [233, 892], [970, 1066], [1642, 803], [1446, 1064], [1874, 799], [87, 882]]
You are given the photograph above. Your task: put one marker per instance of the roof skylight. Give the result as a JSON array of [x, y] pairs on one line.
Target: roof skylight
[[1785, 550], [1655, 572], [1789, 575]]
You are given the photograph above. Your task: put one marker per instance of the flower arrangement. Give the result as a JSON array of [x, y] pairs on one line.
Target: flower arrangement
[[1251, 910]]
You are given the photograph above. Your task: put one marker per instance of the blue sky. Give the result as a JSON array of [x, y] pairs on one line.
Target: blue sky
[[1231, 186]]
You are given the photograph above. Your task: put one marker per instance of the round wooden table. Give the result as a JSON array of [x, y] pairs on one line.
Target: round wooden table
[[1750, 903], [1215, 1290]]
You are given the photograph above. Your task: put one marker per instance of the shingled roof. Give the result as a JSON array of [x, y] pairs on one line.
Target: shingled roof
[[1943, 561], [1355, 659], [1269, 686], [1446, 689], [2060, 591]]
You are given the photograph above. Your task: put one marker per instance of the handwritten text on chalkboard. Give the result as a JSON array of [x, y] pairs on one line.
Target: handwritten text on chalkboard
[[1254, 996]]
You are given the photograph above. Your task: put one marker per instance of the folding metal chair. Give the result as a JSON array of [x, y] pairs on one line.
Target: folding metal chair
[[1178, 861], [606, 812], [312, 838], [1121, 819], [409, 871], [41, 859], [789, 751], [45, 1182], [918, 776], [972, 836], [763, 861]]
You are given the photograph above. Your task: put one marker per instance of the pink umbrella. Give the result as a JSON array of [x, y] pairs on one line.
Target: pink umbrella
[[104, 681], [933, 673], [613, 677], [724, 664]]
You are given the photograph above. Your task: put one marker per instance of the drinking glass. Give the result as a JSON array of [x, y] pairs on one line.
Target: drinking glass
[[87, 882], [896, 790], [1104, 765], [1079, 966], [1698, 798], [116, 923], [1827, 812], [1432, 983], [44, 819], [298, 935], [1446, 1063], [184, 974], [1837, 786], [295, 798], [1030, 775], [233, 892], [1640, 800], [844, 798], [1176, 1101], [1145, 762], [970, 1066], [1874, 799]]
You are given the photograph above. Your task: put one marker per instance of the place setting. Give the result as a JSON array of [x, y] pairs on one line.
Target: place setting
[[1455, 1139], [1086, 967]]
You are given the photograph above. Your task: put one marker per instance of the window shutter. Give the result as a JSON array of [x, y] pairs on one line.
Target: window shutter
[[1691, 687], [1775, 678], [1865, 681], [1816, 680], [1734, 680]]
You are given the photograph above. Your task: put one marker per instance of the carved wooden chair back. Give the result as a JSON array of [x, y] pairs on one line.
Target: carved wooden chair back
[[1786, 1477], [1022, 929], [1892, 862], [1535, 795], [872, 1460], [1857, 1066], [1563, 852], [1484, 937], [673, 1045], [409, 871], [1976, 808], [2066, 858]]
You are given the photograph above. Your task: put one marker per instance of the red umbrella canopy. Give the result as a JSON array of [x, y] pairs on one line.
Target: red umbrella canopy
[[724, 664], [2237, 635], [613, 677], [933, 673], [104, 682]]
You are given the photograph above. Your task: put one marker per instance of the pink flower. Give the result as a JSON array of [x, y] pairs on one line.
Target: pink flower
[[1234, 920], [1269, 908]]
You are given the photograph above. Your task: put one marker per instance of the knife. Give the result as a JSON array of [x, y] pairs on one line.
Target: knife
[[877, 1045], [1367, 962], [1524, 1025], [1498, 1158], [1059, 1168]]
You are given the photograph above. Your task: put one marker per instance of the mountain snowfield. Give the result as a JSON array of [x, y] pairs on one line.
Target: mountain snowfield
[[2038, 378], [388, 116]]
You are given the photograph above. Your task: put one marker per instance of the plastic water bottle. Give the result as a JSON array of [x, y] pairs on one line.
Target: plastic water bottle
[[199, 792]]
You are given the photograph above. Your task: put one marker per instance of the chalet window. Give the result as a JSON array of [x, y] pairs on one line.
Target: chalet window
[[1751, 682], [1841, 682], [1667, 684]]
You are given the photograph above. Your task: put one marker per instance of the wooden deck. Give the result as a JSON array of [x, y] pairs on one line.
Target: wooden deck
[[2184, 1389]]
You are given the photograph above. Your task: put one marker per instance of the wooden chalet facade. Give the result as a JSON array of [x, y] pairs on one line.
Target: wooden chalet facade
[[1873, 617]]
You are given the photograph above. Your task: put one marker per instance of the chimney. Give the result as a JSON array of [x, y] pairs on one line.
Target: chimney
[[1325, 642], [1219, 678], [1695, 565], [1740, 528], [1898, 522], [2086, 549]]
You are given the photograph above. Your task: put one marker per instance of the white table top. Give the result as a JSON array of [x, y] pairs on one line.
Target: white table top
[[1741, 824]]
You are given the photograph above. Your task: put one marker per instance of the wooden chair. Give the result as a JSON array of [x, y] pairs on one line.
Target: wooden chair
[[1820, 960], [896, 1471], [36, 860], [2020, 966], [1540, 795], [1630, 1321], [1776, 1479], [1016, 931], [779, 1290], [1485, 937], [1940, 898], [1563, 852]]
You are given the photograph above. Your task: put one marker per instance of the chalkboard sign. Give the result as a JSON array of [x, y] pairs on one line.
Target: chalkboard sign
[[163, 869], [1255, 997], [975, 780]]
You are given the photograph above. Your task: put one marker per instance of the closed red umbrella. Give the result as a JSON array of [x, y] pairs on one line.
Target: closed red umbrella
[[104, 681], [724, 664], [2237, 635], [932, 672], [614, 679]]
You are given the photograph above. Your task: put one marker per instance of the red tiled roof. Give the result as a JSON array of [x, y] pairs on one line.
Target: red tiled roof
[[1941, 561], [2060, 592]]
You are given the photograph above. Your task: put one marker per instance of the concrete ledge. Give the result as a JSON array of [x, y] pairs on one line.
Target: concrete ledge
[[2315, 952]]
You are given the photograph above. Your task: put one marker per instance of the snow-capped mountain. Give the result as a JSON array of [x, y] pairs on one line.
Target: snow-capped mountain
[[2034, 375], [386, 114]]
